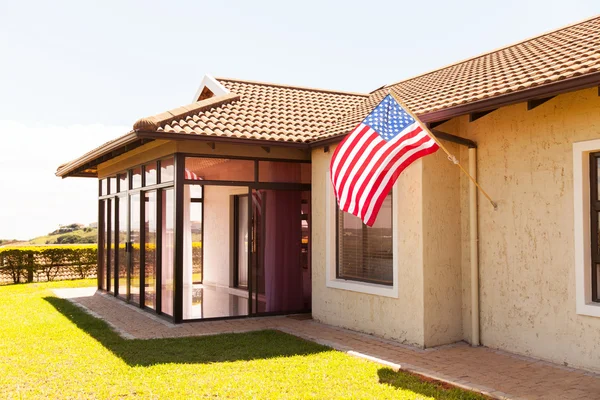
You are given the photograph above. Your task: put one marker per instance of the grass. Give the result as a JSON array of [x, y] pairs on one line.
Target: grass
[[51, 349]]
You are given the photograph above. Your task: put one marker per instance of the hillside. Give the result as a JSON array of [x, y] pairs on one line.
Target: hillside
[[74, 233]]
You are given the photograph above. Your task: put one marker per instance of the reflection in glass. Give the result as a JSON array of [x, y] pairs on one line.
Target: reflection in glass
[[196, 232], [167, 170], [242, 241], [123, 182], [219, 169], [150, 250], [136, 178], [111, 239], [103, 187], [280, 171], [112, 183], [102, 225], [167, 243], [150, 171], [134, 238], [122, 259]]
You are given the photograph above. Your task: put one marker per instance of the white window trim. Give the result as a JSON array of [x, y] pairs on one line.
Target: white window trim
[[330, 253], [582, 227]]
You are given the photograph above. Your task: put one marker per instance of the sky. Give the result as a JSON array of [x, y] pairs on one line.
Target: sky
[[75, 74]]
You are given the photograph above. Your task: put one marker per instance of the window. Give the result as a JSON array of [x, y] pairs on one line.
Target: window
[[366, 253], [150, 174], [136, 178], [218, 169], [123, 182], [595, 228], [586, 207], [167, 170]]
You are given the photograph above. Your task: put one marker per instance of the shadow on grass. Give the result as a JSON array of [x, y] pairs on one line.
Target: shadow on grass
[[207, 349], [425, 386]]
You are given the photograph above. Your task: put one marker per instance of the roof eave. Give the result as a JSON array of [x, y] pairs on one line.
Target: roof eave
[[548, 90]]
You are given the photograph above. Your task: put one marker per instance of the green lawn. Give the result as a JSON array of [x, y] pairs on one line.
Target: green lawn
[[51, 349]]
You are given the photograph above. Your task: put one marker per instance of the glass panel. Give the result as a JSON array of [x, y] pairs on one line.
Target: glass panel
[[134, 239], [112, 183], [596, 289], [167, 249], [598, 178], [104, 249], [365, 254], [150, 171], [281, 265], [196, 231], [122, 259], [136, 178], [103, 187], [123, 182], [150, 250], [167, 170], [219, 169], [195, 191], [279, 171], [111, 256], [242, 241], [215, 296]]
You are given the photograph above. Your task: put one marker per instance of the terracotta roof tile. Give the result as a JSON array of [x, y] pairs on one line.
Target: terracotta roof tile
[[566, 53], [260, 111]]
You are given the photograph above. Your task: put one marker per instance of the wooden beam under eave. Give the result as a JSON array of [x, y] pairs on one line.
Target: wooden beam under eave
[[478, 114], [531, 104], [438, 123]]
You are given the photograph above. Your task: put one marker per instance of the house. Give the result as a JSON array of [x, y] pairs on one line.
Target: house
[[224, 207]]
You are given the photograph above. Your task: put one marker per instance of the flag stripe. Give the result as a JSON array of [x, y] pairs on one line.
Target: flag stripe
[[369, 160], [382, 193], [390, 161], [361, 154], [341, 153], [380, 161]]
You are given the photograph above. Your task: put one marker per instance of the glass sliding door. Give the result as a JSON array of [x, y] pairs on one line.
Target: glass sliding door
[[241, 242], [150, 249], [121, 270], [281, 270], [134, 247]]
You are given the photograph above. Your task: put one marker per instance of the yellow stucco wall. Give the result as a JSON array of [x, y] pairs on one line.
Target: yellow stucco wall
[[526, 247], [429, 256], [442, 249]]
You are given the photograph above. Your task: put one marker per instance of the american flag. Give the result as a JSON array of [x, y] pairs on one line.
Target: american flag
[[368, 161]]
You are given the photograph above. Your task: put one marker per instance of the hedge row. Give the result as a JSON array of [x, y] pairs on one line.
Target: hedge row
[[21, 264]]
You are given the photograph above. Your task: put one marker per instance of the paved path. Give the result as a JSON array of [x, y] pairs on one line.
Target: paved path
[[495, 373]]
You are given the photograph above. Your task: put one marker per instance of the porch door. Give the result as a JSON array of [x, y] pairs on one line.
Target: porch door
[[280, 260], [241, 241]]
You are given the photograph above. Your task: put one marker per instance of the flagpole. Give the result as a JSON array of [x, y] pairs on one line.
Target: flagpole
[[451, 157]]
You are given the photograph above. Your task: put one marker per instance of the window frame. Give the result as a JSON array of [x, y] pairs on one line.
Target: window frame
[[338, 275], [331, 249], [582, 224]]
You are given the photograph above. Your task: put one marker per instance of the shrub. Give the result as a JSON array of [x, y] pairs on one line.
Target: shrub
[[21, 263]]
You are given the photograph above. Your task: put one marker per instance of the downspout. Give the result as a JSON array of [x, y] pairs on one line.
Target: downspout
[[474, 247], [473, 230]]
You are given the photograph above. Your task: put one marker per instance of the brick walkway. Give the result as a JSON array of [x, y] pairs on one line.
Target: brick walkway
[[495, 373]]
